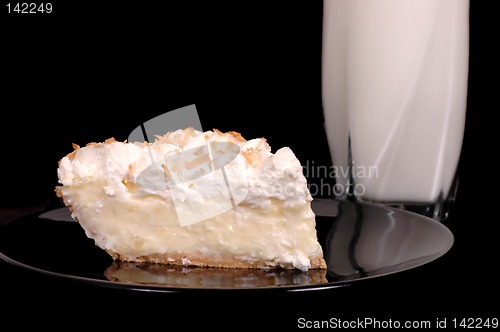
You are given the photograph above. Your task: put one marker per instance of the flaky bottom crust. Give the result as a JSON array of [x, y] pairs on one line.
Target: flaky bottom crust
[[211, 261]]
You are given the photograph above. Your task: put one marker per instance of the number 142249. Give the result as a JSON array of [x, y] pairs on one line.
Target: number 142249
[[29, 8]]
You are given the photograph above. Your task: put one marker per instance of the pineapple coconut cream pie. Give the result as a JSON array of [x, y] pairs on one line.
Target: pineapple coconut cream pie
[[192, 198]]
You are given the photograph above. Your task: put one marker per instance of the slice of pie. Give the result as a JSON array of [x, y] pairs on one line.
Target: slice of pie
[[193, 198]]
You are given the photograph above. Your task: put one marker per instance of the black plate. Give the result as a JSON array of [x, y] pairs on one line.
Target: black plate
[[360, 241]]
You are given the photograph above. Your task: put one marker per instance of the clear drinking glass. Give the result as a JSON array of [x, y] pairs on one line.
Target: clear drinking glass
[[394, 89]]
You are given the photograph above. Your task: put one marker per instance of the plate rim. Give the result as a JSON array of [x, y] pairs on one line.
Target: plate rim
[[178, 289]]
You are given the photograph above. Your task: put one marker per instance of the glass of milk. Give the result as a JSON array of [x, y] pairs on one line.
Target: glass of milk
[[394, 89]]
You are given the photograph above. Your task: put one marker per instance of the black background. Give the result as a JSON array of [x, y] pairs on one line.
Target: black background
[[86, 73]]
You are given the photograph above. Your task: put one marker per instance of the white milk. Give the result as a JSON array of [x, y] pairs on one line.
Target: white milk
[[395, 82]]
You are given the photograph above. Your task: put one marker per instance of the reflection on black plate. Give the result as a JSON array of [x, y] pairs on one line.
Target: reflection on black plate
[[360, 241], [201, 277]]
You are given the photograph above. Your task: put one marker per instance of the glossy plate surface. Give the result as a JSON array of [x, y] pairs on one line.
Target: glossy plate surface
[[359, 240]]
